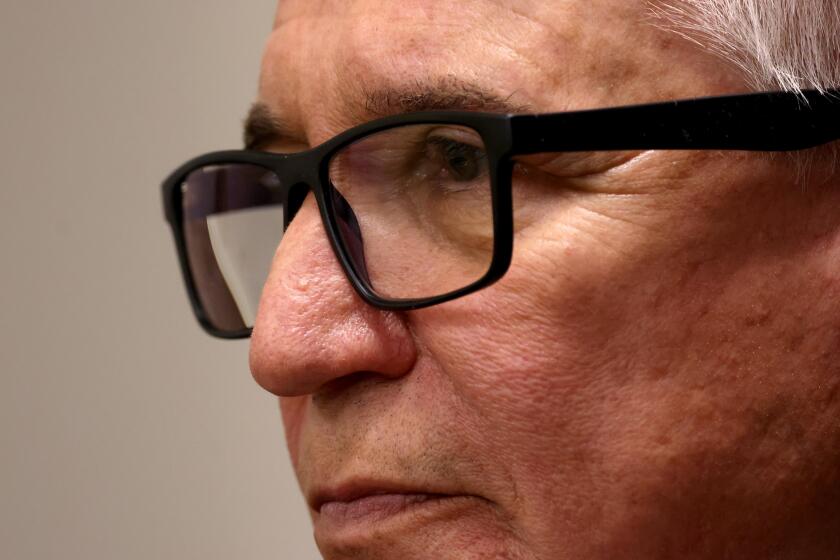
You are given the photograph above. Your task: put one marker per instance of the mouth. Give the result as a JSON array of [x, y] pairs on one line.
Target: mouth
[[375, 507], [376, 514], [358, 505]]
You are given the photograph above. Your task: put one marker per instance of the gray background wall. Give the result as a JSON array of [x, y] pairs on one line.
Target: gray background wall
[[125, 432]]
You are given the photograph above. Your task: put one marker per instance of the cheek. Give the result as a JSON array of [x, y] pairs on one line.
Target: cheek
[[629, 360]]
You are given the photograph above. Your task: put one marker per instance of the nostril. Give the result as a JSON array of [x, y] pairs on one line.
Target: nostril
[[346, 387]]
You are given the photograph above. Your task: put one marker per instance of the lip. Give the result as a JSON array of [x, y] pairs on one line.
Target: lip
[[375, 508], [360, 512], [354, 513], [357, 506], [357, 491]]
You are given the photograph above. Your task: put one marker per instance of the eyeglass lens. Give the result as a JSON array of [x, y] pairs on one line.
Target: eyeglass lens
[[233, 216], [414, 209]]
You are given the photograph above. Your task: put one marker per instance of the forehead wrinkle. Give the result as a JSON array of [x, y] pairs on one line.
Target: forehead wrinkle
[[371, 77], [373, 73], [440, 64]]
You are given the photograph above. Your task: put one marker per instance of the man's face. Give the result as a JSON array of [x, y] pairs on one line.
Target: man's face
[[655, 376]]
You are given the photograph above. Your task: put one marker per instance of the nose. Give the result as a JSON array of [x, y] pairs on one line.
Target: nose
[[312, 328]]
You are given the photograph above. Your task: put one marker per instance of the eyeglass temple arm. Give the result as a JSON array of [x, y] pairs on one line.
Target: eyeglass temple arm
[[765, 122]]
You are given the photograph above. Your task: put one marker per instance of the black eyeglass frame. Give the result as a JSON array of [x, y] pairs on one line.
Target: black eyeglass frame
[[774, 121]]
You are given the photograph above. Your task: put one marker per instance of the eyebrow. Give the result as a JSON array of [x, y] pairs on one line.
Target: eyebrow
[[263, 127], [444, 95]]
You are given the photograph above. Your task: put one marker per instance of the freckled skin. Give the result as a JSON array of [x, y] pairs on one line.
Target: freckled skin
[[658, 374]]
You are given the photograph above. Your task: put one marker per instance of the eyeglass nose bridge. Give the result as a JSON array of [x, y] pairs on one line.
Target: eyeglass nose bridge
[[295, 196], [296, 173]]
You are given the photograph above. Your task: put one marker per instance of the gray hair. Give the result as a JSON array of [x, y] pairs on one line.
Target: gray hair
[[787, 45]]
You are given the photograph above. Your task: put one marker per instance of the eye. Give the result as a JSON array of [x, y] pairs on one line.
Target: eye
[[461, 162]]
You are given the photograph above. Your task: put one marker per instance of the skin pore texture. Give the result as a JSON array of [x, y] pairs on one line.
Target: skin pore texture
[[657, 375]]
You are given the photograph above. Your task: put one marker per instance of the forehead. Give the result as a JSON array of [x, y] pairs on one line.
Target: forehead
[[325, 57]]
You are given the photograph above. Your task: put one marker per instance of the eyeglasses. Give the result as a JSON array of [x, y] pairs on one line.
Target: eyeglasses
[[418, 207]]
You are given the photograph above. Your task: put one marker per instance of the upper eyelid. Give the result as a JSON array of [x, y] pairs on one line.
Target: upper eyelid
[[590, 162], [467, 137]]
